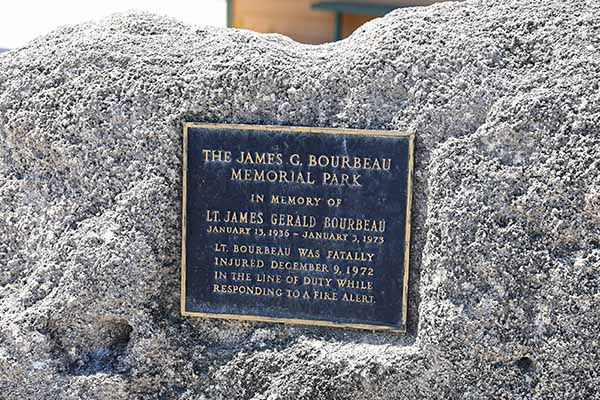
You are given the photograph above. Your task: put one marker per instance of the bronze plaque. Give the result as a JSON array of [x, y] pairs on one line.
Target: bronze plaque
[[296, 224]]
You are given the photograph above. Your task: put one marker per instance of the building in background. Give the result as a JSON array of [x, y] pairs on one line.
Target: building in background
[[310, 21], [306, 21]]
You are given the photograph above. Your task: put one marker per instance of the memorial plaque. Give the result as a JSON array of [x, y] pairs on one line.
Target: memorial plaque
[[296, 224]]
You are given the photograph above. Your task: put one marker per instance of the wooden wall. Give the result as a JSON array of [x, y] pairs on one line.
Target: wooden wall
[[295, 18]]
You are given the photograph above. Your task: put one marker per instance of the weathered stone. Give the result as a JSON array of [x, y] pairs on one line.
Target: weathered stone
[[504, 97]]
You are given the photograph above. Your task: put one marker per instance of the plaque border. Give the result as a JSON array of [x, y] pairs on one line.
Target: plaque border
[[298, 129]]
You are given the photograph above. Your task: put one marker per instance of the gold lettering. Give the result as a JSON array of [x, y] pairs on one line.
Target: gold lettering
[[354, 224], [272, 176]]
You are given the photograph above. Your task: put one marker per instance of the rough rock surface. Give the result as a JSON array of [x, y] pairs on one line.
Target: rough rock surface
[[504, 97]]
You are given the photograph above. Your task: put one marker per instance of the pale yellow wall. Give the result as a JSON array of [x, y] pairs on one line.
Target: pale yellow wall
[[292, 18], [295, 18]]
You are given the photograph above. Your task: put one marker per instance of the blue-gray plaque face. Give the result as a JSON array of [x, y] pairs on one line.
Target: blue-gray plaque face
[[297, 225]]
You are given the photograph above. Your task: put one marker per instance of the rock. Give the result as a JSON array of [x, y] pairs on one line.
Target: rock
[[504, 97]]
